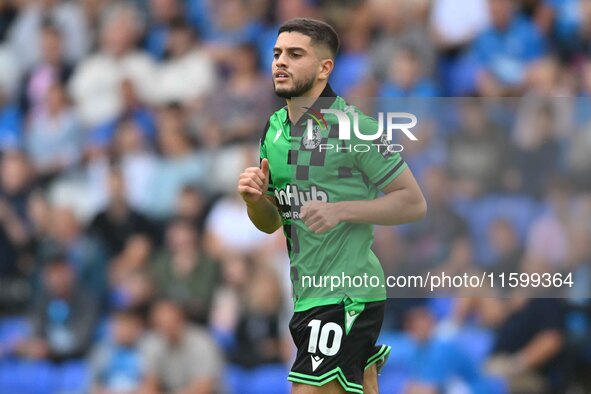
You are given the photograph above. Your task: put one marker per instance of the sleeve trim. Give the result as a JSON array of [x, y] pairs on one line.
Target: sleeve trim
[[392, 174]]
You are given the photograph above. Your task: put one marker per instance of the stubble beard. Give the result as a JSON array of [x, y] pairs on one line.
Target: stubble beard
[[301, 86]]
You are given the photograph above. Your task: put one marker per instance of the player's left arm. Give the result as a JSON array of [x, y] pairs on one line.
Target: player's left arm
[[403, 202]]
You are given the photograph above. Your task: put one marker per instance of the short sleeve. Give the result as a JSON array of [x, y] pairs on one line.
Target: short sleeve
[[206, 358], [263, 155], [150, 351], [380, 162]]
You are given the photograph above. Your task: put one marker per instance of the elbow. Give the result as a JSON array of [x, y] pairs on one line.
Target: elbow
[[419, 209]]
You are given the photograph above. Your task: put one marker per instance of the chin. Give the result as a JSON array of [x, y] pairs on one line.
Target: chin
[[283, 93]]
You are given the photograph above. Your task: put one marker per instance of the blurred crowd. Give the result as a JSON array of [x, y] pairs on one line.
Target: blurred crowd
[[125, 248]]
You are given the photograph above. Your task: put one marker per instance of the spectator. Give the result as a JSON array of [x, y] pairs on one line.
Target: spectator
[[133, 110], [179, 165], [82, 251], [24, 35], [64, 315], [506, 246], [228, 230], [15, 187], [506, 50], [131, 285], [230, 24], [118, 221], [547, 239], [398, 29], [116, 364], [188, 72], [184, 273], [479, 153], [432, 238], [233, 114], [260, 338], [544, 90], [51, 69], [227, 299], [568, 17], [529, 340], [137, 161], [192, 206], [95, 85], [434, 363], [406, 77], [353, 58], [456, 23], [8, 14], [53, 140], [179, 357], [541, 158], [163, 14]]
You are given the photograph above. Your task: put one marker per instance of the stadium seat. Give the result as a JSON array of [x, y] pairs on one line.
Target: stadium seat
[[402, 350], [491, 385], [392, 382], [271, 379], [74, 377], [12, 330], [476, 342]]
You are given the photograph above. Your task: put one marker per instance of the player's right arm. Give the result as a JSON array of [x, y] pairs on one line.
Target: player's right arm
[[262, 209]]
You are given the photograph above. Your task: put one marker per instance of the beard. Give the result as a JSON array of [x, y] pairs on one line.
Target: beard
[[300, 87]]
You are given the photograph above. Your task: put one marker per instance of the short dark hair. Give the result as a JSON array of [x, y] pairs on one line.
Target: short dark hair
[[320, 32]]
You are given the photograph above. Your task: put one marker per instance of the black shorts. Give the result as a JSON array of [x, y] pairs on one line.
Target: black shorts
[[337, 342]]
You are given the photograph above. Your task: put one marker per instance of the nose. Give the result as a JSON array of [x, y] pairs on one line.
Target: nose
[[280, 61]]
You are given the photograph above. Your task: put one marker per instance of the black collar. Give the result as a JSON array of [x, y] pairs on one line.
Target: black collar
[[318, 104]]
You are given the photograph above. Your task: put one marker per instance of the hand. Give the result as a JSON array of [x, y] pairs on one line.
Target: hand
[[320, 216], [253, 183]]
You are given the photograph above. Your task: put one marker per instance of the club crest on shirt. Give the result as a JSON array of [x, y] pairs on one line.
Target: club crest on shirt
[[314, 141]]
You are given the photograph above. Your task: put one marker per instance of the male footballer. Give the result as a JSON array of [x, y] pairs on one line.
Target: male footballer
[[316, 183]]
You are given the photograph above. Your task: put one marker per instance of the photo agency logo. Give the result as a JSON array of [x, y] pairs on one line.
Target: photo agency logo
[[388, 123]]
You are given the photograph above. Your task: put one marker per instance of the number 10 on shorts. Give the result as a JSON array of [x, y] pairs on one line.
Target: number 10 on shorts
[[319, 337]]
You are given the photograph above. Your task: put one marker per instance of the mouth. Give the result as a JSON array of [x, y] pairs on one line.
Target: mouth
[[281, 76]]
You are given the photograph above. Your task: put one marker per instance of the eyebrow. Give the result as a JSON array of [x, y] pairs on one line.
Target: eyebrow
[[290, 49]]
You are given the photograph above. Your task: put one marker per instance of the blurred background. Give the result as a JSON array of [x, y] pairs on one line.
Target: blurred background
[[128, 263]]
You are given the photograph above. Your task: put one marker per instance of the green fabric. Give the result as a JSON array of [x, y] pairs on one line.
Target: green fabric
[[300, 173]]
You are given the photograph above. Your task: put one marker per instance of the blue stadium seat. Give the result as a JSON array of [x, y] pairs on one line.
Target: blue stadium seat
[[403, 349], [5, 376], [12, 330], [491, 385], [271, 379], [476, 343], [392, 382], [46, 379], [74, 377], [235, 379]]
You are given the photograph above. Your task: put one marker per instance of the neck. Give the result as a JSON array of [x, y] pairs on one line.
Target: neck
[[297, 109]]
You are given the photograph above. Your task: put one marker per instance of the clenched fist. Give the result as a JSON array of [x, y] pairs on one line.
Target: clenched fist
[[253, 183], [320, 217]]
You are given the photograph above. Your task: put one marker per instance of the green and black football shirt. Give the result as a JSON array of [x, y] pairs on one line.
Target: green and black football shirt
[[320, 166]]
